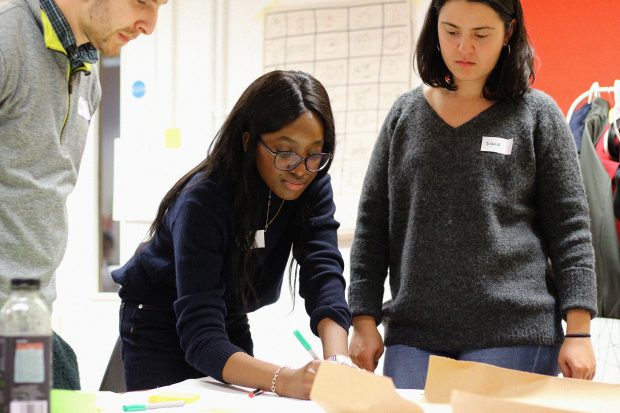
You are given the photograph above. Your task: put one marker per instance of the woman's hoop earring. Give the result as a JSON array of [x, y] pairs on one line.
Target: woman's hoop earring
[[508, 46], [438, 47]]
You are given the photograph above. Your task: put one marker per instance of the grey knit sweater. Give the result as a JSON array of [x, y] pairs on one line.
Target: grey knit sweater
[[465, 234]]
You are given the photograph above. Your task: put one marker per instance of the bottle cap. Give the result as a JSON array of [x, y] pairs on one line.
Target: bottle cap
[[25, 283]]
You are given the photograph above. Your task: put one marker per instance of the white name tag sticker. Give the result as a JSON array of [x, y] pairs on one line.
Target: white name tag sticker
[[83, 109], [497, 145]]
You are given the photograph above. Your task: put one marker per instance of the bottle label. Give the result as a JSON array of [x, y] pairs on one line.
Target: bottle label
[[25, 366], [4, 408], [29, 361], [29, 407]]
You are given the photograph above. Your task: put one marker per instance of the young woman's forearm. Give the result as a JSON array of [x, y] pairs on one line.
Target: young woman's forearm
[[244, 370], [334, 338]]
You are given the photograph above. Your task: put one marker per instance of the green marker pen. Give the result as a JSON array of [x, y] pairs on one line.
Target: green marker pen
[[149, 406], [306, 345]]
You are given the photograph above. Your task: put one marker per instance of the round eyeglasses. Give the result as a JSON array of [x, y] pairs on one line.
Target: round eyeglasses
[[289, 160]]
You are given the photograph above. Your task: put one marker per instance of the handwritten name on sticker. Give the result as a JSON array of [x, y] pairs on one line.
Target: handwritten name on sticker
[[497, 145]]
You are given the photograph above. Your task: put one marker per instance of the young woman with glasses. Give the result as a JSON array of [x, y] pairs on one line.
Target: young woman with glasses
[[220, 243], [473, 186]]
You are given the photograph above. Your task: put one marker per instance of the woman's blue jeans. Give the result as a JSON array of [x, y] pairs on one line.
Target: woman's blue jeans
[[407, 366]]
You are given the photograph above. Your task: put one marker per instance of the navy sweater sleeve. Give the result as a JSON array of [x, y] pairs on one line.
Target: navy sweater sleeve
[[200, 236], [321, 283]]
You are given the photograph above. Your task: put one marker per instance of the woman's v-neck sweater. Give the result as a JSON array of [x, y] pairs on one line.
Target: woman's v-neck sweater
[[465, 234]]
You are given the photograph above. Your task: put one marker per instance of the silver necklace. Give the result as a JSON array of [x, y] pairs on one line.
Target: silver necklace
[[259, 238]]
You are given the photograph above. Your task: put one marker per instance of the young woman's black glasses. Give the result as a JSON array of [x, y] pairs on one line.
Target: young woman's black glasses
[[289, 160]]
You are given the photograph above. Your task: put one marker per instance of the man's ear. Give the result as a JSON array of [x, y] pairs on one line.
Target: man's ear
[[246, 139]]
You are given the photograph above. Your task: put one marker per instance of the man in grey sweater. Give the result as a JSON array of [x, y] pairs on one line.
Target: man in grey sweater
[[49, 91]]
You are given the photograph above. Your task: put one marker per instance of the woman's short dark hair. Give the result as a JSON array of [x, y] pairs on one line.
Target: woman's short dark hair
[[514, 72], [271, 102]]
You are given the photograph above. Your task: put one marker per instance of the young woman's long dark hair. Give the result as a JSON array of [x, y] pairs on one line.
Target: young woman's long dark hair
[[514, 72], [271, 102]]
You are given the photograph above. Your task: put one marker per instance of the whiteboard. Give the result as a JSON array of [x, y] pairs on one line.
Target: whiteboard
[[362, 53]]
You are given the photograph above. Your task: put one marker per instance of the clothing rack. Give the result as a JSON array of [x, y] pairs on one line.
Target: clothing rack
[[605, 331], [594, 91]]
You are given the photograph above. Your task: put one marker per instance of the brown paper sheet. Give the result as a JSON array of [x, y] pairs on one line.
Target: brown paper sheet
[[341, 389], [446, 375], [463, 402]]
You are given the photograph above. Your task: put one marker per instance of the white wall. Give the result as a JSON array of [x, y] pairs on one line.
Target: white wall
[[203, 55]]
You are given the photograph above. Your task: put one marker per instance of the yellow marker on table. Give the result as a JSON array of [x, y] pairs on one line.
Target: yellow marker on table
[[173, 397]]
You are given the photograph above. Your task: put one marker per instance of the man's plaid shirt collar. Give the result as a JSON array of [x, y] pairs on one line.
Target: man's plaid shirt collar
[[77, 55]]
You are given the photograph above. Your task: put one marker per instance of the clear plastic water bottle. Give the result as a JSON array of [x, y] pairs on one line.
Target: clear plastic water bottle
[[25, 350]]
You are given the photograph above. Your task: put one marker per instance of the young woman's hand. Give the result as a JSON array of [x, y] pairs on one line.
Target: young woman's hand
[[297, 383], [366, 347], [577, 359]]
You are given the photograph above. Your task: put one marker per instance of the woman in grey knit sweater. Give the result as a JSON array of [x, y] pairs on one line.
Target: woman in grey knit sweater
[[472, 188]]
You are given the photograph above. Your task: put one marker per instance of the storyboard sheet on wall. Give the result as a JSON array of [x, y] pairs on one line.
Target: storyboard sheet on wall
[[362, 54]]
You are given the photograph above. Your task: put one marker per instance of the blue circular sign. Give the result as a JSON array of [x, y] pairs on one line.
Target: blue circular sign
[[138, 88]]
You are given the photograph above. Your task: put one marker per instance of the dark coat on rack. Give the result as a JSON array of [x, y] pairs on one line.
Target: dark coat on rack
[[617, 195], [599, 194]]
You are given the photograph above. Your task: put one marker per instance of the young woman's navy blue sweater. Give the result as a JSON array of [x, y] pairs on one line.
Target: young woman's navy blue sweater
[[185, 268]]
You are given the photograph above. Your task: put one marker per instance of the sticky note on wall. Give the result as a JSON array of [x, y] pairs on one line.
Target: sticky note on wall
[[173, 138]]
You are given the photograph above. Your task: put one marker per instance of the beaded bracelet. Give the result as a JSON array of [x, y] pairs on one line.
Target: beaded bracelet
[[577, 335], [275, 378]]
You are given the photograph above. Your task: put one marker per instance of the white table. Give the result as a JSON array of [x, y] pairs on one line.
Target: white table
[[220, 398]]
